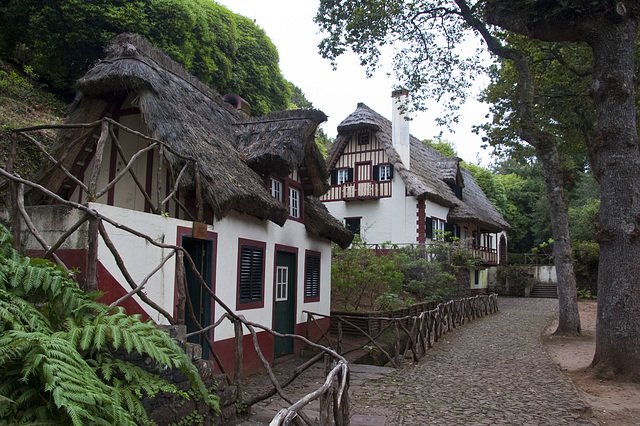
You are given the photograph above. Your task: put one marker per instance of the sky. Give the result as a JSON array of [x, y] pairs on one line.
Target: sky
[[289, 24]]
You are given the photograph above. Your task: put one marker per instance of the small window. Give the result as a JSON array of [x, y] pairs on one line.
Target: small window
[[294, 202], [476, 277], [250, 277], [276, 189], [282, 280], [353, 225], [363, 139], [343, 176], [385, 172], [437, 229], [312, 277]]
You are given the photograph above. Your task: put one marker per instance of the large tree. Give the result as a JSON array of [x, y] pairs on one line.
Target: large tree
[[427, 35], [610, 29]]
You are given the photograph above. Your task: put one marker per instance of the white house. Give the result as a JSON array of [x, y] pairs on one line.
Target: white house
[[185, 156], [388, 186]]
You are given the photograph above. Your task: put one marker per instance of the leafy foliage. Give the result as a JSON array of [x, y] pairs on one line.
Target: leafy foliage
[[63, 356], [390, 277]]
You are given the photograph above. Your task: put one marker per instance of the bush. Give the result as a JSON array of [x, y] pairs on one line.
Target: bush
[[58, 351]]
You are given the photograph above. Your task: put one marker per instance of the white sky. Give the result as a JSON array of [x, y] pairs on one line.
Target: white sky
[[289, 24]]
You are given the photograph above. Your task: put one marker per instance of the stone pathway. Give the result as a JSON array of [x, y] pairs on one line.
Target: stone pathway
[[492, 371]]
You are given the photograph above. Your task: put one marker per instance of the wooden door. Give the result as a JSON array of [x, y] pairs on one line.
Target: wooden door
[[284, 314], [201, 253]]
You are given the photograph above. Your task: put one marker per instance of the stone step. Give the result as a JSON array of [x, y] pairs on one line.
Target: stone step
[[548, 291]]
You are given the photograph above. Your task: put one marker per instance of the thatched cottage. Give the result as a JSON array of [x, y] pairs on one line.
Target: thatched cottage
[[388, 186], [183, 155]]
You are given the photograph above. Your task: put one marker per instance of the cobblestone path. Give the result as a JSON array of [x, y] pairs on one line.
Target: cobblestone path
[[492, 371]]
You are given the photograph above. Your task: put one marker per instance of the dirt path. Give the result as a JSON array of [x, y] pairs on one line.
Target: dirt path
[[613, 403]]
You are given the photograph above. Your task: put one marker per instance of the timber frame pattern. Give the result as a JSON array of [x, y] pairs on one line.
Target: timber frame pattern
[[333, 394]]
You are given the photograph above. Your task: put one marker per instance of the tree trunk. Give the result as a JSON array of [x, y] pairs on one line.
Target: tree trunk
[[616, 159], [569, 317], [547, 152]]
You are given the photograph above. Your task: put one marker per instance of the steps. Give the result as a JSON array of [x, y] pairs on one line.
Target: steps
[[547, 291]]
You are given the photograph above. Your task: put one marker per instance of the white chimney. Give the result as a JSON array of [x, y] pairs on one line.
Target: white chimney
[[400, 126]]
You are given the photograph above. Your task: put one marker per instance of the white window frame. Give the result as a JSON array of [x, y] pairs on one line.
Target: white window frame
[[342, 176], [282, 283], [437, 229], [276, 189], [294, 202], [384, 172]]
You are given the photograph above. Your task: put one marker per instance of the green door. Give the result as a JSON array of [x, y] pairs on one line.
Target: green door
[[201, 253], [284, 315]]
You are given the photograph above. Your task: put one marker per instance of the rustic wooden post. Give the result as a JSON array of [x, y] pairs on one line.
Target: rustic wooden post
[[91, 277], [326, 397], [182, 298], [91, 280], [97, 160], [396, 345], [237, 374]]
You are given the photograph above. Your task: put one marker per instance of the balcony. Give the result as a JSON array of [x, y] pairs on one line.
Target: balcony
[[361, 190]]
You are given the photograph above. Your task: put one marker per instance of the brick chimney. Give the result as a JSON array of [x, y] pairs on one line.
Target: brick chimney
[[400, 126]]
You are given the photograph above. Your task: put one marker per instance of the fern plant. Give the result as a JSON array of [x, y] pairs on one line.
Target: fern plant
[[59, 351]]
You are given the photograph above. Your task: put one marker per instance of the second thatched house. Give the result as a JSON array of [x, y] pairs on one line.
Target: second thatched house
[[178, 164], [390, 187]]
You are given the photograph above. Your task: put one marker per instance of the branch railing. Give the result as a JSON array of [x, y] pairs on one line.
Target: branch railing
[[333, 394], [412, 334]]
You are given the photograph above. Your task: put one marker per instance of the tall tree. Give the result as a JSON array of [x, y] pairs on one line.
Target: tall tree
[[429, 64], [610, 29]]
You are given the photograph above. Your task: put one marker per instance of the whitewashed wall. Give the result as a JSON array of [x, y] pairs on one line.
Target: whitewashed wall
[[140, 256]]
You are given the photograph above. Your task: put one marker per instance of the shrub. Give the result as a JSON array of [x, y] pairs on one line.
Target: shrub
[[58, 347]]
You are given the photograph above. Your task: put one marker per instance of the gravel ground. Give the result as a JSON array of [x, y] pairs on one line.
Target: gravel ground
[[492, 371]]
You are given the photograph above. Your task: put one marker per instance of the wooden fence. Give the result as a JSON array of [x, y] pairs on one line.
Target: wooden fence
[[333, 394], [414, 333]]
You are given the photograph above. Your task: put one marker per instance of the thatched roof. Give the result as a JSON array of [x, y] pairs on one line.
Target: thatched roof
[[234, 152], [319, 222], [430, 172], [476, 208]]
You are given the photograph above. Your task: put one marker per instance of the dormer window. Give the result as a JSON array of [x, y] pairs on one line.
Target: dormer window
[[363, 138], [457, 190], [276, 189], [294, 202]]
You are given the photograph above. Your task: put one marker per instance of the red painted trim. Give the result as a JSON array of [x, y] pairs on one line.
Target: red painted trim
[[225, 349], [304, 286], [421, 222], [183, 231], [253, 243], [113, 290]]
